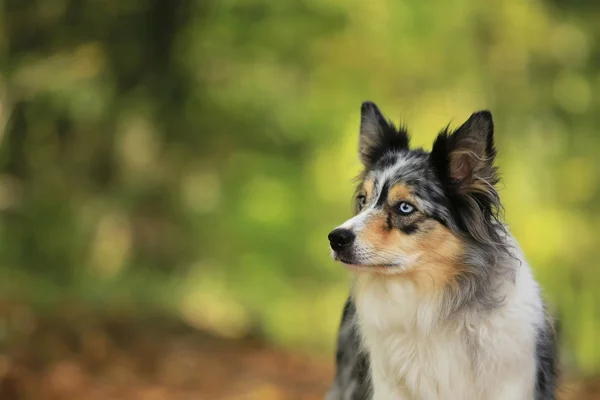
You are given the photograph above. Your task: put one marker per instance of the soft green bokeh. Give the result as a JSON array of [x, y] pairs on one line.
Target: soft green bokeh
[[193, 155]]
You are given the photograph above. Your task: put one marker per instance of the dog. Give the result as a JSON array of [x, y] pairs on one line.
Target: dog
[[443, 304]]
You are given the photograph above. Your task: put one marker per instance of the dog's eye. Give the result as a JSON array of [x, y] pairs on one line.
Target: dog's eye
[[405, 208], [361, 201]]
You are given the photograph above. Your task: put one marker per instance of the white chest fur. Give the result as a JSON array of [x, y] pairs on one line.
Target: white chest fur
[[486, 355]]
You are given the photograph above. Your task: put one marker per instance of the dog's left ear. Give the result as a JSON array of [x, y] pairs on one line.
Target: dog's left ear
[[378, 135], [466, 156]]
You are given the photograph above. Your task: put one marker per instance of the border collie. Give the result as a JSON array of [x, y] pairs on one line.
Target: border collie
[[443, 304]]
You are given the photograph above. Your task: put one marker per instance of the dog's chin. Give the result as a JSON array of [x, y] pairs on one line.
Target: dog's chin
[[359, 266]]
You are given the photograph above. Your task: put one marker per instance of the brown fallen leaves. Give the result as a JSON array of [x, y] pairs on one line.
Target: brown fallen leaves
[[88, 354], [74, 353]]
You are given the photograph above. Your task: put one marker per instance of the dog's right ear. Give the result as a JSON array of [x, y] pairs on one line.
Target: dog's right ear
[[378, 135]]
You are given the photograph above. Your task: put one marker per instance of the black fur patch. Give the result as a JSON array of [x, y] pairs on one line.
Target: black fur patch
[[352, 367], [379, 135], [409, 229], [384, 194], [547, 370], [387, 160]]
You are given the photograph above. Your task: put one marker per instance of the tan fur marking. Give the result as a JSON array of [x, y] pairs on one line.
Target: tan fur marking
[[467, 166], [438, 251], [399, 192], [368, 187], [440, 263], [375, 232]]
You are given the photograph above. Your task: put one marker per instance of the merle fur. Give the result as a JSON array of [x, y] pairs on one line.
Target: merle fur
[[469, 205], [352, 373]]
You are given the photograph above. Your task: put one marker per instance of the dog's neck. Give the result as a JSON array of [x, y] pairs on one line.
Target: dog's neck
[[409, 303], [395, 304]]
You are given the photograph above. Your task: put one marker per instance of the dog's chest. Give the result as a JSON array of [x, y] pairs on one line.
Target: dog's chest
[[410, 359], [413, 357], [418, 368]]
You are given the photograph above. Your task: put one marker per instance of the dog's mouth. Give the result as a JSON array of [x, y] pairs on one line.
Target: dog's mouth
[[344, 260], [359, 265]]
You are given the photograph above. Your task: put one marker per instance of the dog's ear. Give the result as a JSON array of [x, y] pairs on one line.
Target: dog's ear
[[464, 162], [378, 135], [465, 158]]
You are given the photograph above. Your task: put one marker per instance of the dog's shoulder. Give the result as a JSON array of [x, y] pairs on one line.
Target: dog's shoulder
[[352, 365], [547, 360]]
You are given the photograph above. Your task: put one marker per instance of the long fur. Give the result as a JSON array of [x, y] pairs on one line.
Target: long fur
[[444, 304]]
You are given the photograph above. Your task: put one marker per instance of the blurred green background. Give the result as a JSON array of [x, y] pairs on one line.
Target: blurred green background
[[190, 157]]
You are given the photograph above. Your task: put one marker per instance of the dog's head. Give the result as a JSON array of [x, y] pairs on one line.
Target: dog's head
[[419, 211]]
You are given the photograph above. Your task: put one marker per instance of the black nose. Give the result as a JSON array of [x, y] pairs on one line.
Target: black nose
[[340, 238]]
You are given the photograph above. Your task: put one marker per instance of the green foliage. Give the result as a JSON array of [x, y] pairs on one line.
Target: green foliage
[[194, 154]]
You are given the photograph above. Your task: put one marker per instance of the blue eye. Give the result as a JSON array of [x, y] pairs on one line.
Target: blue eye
[[405, 208]]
